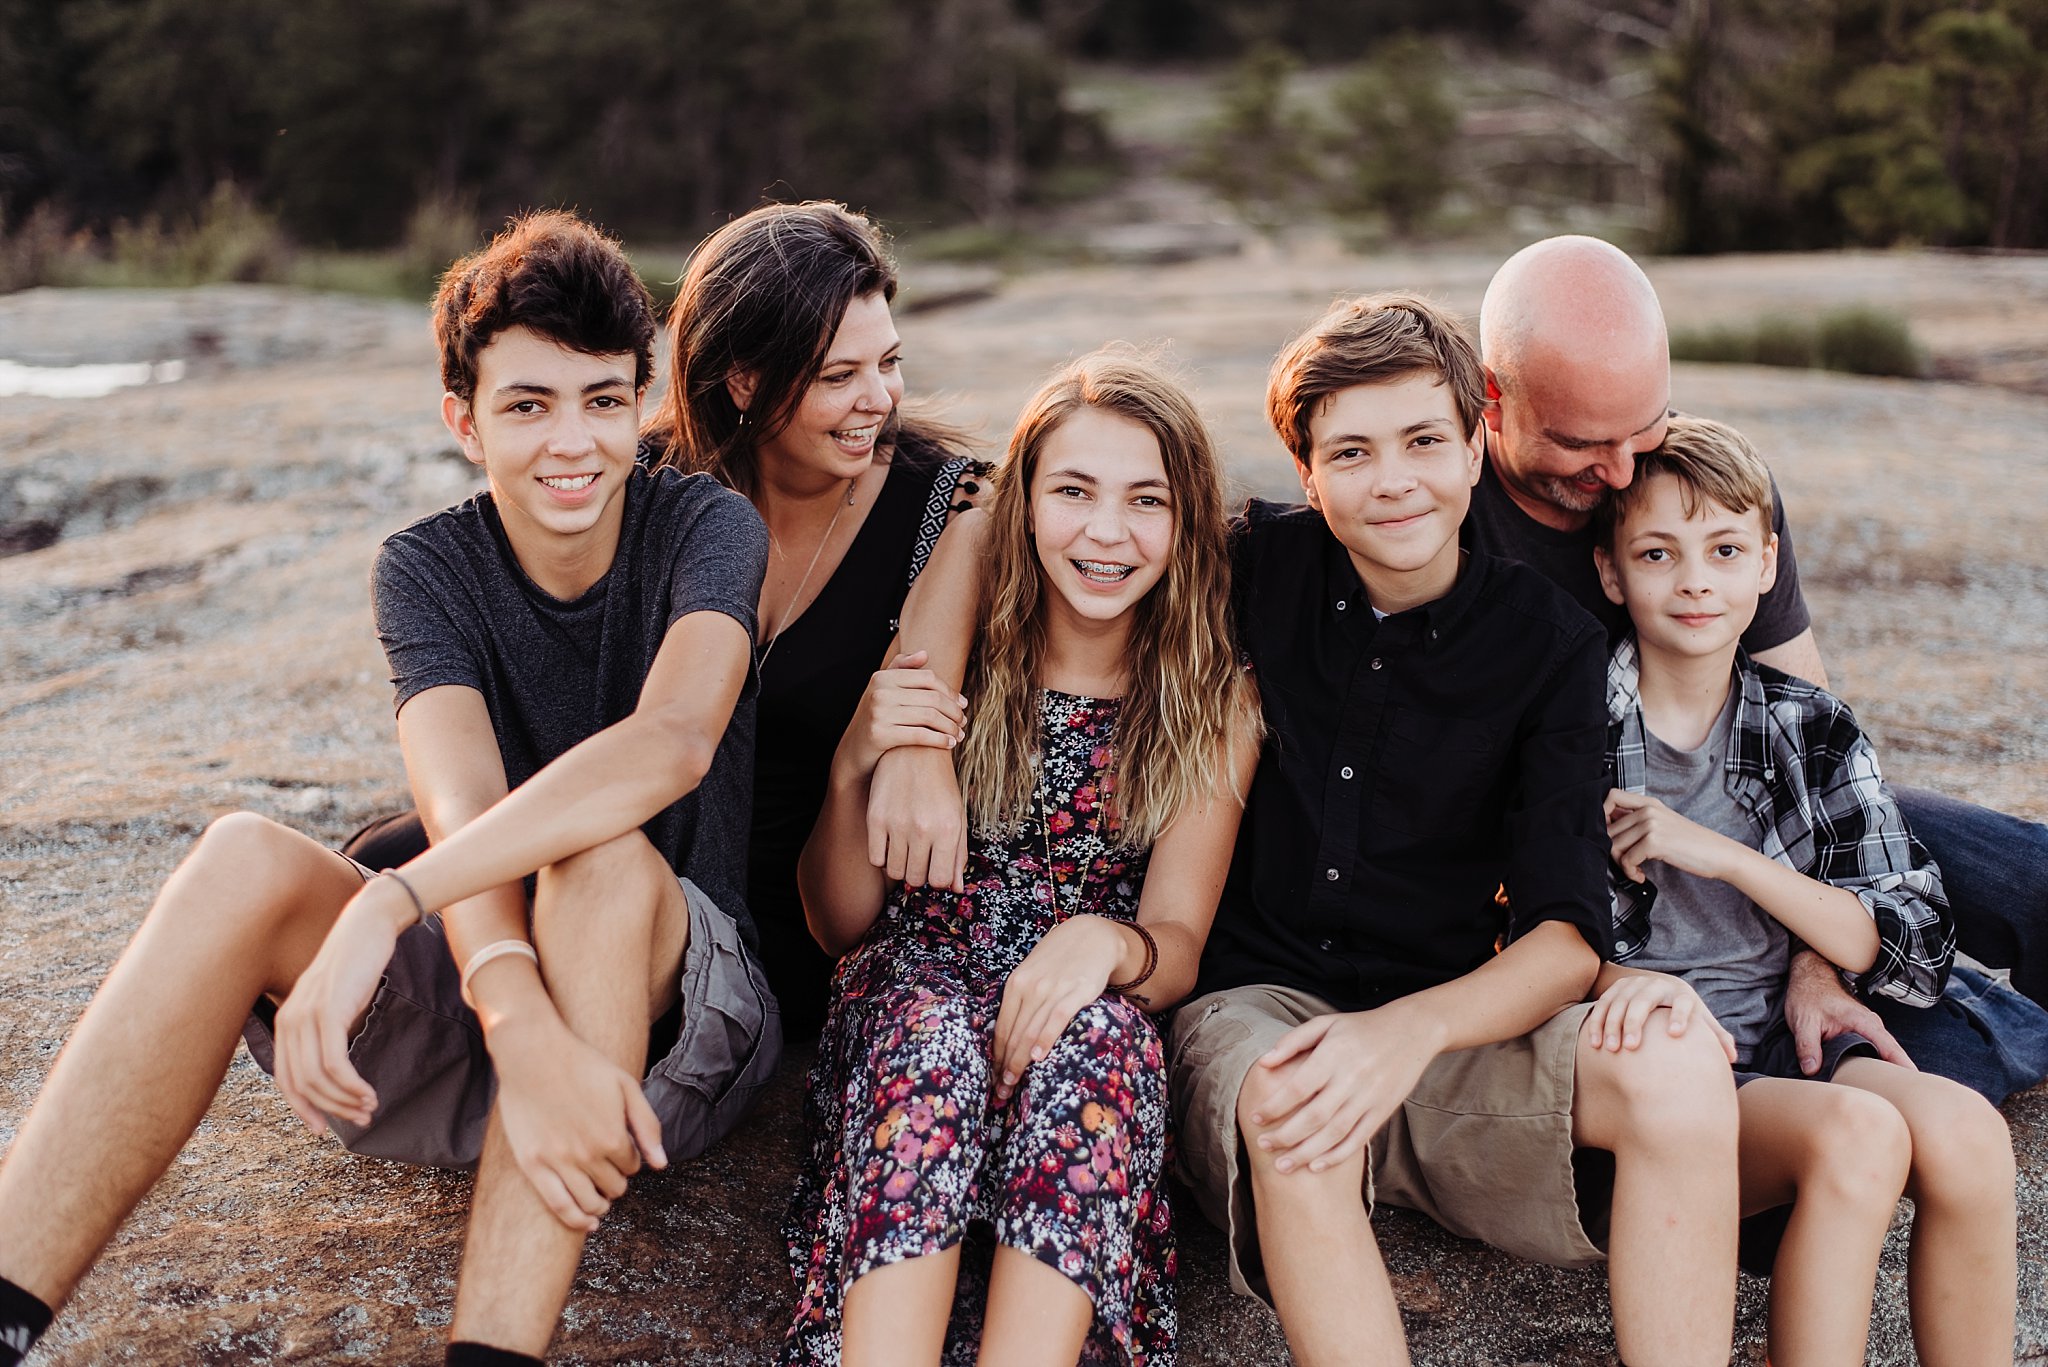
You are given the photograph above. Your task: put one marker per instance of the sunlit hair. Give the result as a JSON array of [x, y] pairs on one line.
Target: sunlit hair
[[551, 272], [1711, 461], [764, 296], [1373, 339], [1184, 698]]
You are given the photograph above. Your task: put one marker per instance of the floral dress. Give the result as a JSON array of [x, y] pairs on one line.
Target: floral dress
[[907, 1150]]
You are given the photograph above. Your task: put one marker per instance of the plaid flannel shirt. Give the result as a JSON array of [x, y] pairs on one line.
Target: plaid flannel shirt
[[1801, 768]]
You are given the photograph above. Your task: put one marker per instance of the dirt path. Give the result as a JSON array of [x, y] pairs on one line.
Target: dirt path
[[195, 639]]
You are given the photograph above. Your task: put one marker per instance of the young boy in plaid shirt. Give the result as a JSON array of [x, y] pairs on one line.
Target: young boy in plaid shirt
[[1747, 816]]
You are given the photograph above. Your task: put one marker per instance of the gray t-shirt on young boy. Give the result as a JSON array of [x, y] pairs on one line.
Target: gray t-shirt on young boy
[[454, 607], [1703, 930]]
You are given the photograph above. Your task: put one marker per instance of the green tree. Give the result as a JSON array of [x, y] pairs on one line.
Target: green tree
[[1259, 151], [172, 92], [1400, 134]]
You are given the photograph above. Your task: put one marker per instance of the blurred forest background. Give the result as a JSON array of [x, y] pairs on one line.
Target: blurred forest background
[[362, 143]]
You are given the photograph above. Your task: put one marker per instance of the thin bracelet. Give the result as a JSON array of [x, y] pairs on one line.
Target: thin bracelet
[[1151, 961], [496, 949], [417, 904]]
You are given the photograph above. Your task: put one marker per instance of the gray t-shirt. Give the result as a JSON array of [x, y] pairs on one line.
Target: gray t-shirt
[[454, 607], [1708, 932]]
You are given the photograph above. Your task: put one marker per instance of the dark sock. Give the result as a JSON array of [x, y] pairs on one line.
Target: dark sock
[[462, 1354], [23, 1318]]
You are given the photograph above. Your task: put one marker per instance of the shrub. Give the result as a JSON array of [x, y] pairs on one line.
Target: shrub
[[232, 239], [1858, 340], [1868, 341], [1400, 132], [38, 251]]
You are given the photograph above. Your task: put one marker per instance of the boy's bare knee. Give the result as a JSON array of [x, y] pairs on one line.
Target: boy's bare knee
[[1963, 1152], [1859, 1149], [605, 872], [1257, 1096], [1675, 1092], [622, 856], [249, 865], [244, 843]]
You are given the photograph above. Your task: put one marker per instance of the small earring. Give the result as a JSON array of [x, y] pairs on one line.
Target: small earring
[[743, 420]]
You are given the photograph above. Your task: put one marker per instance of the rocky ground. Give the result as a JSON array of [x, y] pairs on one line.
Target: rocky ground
[[184, 632]]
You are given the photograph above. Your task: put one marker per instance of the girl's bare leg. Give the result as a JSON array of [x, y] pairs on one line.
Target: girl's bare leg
[[1036, 1317], [895, 1316]]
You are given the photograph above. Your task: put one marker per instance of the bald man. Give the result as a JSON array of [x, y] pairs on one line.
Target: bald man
[[1578, 369]]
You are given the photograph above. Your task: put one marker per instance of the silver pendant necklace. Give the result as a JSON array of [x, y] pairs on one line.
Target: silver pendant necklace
[[805, 582]]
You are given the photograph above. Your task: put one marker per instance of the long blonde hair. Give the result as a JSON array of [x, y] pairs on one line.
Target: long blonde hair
[[1185, 698]]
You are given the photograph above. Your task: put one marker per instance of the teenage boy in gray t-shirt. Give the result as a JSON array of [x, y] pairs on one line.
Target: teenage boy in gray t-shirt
[[572, 655], [1747, 810]]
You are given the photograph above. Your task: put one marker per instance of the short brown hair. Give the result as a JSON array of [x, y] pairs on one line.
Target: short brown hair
[[553, 273], [1711, 461], [1370, 340]]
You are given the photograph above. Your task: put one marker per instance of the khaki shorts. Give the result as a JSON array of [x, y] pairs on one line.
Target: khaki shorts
[[1483, 1145], [422, 1048]]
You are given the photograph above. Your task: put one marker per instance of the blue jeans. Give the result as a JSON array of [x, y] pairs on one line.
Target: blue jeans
[[1995, 868], [1981, 1033]]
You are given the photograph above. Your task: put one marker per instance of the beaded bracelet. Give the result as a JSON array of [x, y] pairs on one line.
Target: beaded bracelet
[[1151, 962]]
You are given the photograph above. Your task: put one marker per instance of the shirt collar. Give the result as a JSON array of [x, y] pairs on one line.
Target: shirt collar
[[1348, 599], [1748, 745]]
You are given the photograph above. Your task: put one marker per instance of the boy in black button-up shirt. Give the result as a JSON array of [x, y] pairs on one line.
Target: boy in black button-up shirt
[[1380, 1024]]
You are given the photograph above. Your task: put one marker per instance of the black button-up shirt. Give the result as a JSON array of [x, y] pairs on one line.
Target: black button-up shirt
[[1412, 767]]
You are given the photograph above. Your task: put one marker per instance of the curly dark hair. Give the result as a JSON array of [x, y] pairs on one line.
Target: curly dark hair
[[549, 271]]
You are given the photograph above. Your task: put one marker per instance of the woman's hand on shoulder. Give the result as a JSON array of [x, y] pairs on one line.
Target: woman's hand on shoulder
[[1622, 1013], [904, 704], [1068, 968]]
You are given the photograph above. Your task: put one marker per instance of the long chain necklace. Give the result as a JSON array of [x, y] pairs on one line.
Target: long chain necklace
[[1052, 881], [804, 582]]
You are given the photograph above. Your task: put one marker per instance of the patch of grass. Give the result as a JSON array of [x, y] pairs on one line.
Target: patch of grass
[[974, 244], [1858, 340]]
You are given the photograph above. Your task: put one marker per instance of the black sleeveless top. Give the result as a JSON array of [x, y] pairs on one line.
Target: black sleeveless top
[[810, 687]]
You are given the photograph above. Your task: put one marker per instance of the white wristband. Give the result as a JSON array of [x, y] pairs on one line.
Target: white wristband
[[496, 949]]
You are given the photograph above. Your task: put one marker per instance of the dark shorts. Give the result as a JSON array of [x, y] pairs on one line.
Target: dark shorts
[[1778, 1056], [422, 1048]]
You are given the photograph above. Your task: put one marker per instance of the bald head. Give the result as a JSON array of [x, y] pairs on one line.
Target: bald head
[[1573, 338], [1573, 298]]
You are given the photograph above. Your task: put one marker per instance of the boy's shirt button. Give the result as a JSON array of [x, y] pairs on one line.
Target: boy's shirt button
[[1323, 945], [1342, 604], [1345, 771], [1375, 662], [1330, 874]]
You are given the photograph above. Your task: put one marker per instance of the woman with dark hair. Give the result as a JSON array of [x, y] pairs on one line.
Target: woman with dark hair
[[785, 380], [785, 376]]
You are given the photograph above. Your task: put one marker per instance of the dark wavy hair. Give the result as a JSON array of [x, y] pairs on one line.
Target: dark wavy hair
[[764, 296], [552, 272]]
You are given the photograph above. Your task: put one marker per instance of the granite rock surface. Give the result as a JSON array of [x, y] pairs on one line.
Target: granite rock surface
[[184, 632]]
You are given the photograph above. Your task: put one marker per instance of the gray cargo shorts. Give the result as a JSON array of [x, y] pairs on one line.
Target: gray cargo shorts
[[422, 1048]]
